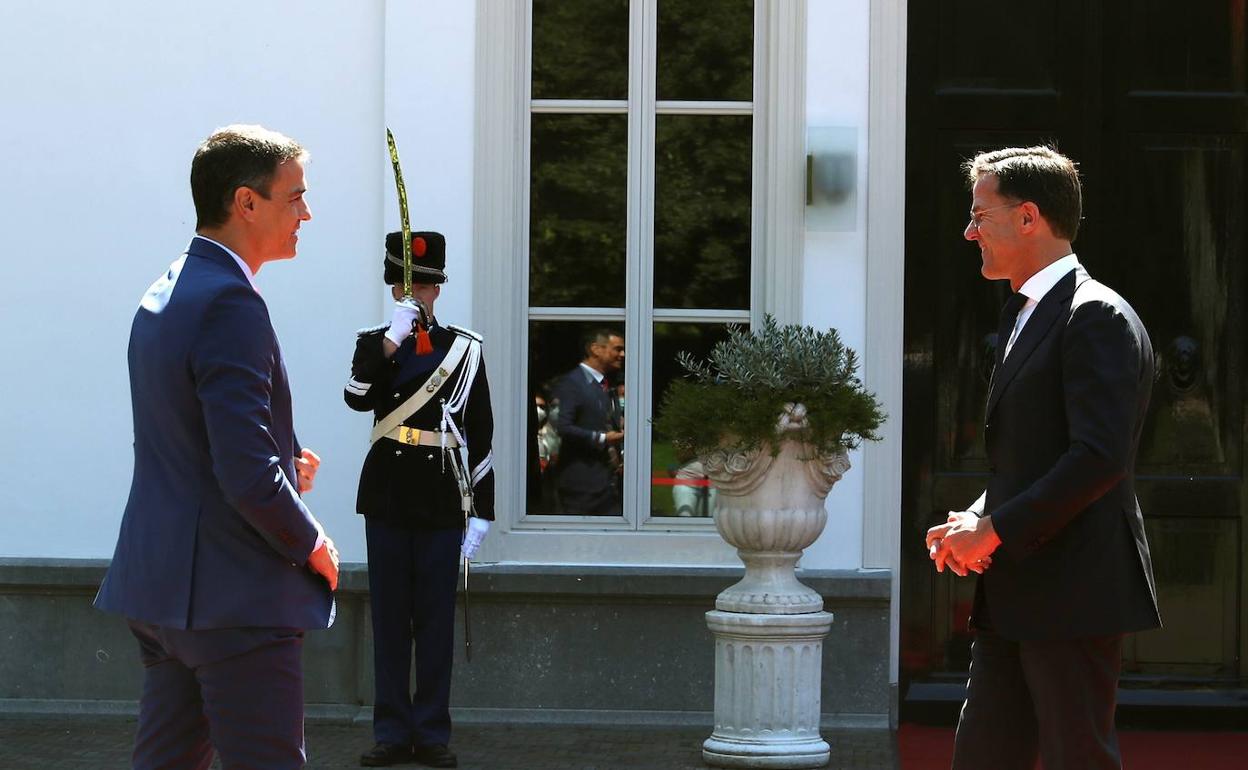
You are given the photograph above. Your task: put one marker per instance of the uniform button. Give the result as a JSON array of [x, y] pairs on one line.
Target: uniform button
[[398, 452], [396, 395], [430, 457]]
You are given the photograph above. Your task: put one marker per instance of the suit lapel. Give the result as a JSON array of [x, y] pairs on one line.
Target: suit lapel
[[1038, 327]]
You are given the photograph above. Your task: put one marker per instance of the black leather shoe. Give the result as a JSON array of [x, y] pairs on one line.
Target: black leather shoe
[[435, 756], [386, 754]]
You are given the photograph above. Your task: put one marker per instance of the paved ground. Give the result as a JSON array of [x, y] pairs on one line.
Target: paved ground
[[103, 743]]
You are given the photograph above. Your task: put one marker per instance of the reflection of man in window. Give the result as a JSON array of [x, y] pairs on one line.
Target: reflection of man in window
[[591, 430]]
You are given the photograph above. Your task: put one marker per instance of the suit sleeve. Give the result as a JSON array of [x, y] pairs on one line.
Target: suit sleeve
[[1103, 367], [233, 360], [571, 404], [371, 373], [479, 424]]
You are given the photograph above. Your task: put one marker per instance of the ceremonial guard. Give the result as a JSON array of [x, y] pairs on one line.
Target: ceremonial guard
[[427, 495]]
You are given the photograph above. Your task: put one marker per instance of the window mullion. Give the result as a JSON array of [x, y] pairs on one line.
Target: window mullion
[[640, 292]]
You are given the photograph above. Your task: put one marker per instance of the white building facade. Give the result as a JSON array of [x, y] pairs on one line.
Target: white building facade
[[798, 158]]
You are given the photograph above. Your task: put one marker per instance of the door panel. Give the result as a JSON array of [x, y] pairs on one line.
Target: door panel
[[1150, 98]]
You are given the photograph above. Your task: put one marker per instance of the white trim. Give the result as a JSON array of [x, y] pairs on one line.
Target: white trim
[[500, 288], [698, 315], [579, 106], [642, 91], [884, 350], [780, 182], [704, 108]]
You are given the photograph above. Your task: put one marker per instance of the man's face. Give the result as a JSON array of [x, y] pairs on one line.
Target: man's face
[[609, 355], [994, 225], [278, 216]]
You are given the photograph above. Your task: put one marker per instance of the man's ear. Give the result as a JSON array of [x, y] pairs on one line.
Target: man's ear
[[1030, 216], [245, 203]]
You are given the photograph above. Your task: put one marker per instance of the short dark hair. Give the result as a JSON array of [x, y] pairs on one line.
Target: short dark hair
[[595, 336], [233, 157], [1041, 175]]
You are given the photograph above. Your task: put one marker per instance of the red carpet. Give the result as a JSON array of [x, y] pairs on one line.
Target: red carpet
[[930, 748]]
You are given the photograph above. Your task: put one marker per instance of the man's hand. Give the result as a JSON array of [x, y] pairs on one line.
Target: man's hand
[[613, 436], [474, 533], [324, 562], [305, 469], [404, 316], [964, 543]]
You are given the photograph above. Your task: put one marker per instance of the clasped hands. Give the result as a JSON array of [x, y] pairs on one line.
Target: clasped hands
[[964, 543]]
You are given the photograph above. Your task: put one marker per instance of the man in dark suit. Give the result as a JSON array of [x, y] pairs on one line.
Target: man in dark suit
[[427, 495], [590, 430], [219, 565], [1057, 536]]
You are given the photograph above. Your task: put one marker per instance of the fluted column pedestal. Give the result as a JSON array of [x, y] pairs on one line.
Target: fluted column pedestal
[[769, 627], [767, 690]]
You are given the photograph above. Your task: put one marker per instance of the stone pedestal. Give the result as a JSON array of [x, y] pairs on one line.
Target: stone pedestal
[[767, 681], [769, 628]]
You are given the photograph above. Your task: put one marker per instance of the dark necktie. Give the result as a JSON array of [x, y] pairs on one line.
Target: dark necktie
[[1009, 316]]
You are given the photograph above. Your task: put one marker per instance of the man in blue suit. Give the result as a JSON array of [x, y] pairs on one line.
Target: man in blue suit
[[219, 565], [590, 429]]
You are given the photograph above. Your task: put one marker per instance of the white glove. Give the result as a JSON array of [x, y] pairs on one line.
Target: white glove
[[473, 535], [405, 314]]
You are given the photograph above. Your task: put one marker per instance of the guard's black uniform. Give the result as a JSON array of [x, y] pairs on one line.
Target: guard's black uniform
[[414, 523]]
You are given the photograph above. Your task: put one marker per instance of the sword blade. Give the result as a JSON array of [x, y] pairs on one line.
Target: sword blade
[[467, 625], [404, 219]]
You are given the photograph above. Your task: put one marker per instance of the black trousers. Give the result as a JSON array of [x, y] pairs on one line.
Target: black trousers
[[236, 690], [411, 588], [1051, 698]]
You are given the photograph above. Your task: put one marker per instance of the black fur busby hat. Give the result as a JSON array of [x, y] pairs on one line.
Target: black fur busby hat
[[428, 258]]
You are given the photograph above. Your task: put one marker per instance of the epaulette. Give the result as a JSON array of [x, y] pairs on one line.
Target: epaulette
[[465, 332], [372, 330]]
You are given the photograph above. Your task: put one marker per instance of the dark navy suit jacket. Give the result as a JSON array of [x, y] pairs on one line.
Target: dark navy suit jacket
[[1065, 411], [585, 411], [214, 534]]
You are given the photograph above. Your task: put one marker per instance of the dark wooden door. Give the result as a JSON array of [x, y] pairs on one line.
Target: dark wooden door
[[1150, 97]]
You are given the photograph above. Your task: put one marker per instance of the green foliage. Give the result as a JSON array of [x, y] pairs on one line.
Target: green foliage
[[737, 395]]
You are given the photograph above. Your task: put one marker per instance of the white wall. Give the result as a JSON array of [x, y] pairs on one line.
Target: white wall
[[103, 105], [834, 281]]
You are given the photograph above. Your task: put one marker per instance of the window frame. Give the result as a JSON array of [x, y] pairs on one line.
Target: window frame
[[500, 255]]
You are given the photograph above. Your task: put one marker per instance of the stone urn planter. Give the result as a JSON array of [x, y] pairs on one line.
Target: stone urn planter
[[771, 480], [769, 627]]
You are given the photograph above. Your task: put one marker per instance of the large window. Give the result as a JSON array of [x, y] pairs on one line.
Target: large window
[[641, 158]]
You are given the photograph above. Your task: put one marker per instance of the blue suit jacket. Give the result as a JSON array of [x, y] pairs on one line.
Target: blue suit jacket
[[585, 411], [214, 533]]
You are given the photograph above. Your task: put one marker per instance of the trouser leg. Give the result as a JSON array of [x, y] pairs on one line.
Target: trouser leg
[[172, 732], [436, 557], [254, 704], [390, 579], [1074, 690], [997, 727]]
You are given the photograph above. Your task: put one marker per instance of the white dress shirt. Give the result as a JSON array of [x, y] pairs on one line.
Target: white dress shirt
[[1034, 290]]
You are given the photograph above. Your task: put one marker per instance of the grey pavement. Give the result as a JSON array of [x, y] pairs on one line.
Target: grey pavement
[[103, 743]]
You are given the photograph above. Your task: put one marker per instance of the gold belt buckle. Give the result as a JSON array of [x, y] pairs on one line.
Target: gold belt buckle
[[409, 435]]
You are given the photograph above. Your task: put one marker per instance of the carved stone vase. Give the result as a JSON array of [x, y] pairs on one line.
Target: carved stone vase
[[769, 627]]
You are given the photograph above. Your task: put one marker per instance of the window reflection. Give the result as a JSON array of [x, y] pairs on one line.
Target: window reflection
[[576, 418], [706, 50], [580, 49], [702, 211], [578, 213], [679, 486]]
